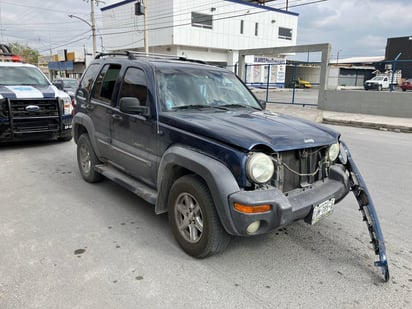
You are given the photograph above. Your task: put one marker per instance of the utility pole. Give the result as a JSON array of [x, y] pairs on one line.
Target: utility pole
[[337, 56], [141, 9], [92, 18], [146, 35]]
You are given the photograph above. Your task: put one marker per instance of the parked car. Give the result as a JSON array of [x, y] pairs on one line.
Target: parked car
[[406, 85], [300, 83], [68, 85], [378, 83], [193, 140], [30, 106]]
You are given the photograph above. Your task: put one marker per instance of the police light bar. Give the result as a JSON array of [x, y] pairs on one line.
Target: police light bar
[[10, 58]]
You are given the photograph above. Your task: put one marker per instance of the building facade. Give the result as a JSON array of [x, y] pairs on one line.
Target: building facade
[[210, 30]]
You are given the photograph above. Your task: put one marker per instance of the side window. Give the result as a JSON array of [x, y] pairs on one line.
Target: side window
[[134, 84], [103, 89], [89, 77]]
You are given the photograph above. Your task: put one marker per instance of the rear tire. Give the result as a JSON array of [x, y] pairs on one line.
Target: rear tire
[[87, 159], [193, 218]]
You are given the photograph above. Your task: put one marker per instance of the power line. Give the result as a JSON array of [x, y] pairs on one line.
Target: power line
[[161, 20]]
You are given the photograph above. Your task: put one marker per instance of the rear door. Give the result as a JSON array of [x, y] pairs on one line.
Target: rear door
[[134, 137]]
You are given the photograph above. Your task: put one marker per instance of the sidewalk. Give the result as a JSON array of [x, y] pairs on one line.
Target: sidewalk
[[358, 120]]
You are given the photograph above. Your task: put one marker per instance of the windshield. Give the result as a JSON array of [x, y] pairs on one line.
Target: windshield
[[20, 75], [196, 88], [378, 78]]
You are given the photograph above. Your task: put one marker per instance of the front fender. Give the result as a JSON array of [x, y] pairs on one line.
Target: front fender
[[217, 176], [83, 120]]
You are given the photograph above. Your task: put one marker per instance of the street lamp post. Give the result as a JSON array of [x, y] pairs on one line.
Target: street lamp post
[[92, 26]]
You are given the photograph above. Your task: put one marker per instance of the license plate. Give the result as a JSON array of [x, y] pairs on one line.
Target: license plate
[[322, 210]]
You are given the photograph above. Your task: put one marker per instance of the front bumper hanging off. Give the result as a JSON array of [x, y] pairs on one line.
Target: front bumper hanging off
[[367, 208]]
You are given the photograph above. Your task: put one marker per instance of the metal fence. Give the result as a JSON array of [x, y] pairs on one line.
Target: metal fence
[[279, 82], [282, 82]]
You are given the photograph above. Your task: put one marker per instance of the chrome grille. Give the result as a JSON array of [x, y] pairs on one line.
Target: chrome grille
[[47, 108]]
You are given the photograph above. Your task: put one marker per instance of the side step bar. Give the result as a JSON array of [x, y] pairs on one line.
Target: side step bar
[[138, 188], [369, 215]]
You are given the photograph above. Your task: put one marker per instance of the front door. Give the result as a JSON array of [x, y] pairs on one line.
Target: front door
[[134, 137]]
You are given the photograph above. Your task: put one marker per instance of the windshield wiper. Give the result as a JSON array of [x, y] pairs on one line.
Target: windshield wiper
[[236, 106], [193, 106]]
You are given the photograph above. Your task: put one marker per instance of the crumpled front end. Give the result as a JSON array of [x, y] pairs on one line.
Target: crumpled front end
[[303, 180]]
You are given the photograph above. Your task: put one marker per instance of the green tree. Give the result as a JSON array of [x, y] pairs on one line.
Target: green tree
[[28, 54]]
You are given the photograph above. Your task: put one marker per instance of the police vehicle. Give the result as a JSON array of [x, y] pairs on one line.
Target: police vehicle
[[31, 107]]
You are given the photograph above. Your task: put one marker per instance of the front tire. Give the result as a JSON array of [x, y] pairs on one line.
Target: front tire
[[87, 159], [379, 87], [193, 218]]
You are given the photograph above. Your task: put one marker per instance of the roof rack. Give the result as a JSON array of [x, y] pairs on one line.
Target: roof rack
[[132, 55]]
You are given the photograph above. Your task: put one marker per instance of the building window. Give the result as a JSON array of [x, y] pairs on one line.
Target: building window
[[285, 33], [202, 20], [241, 26], [256, 29]]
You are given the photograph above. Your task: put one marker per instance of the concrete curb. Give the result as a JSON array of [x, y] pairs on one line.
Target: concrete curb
[[384, 123], [369, 125]]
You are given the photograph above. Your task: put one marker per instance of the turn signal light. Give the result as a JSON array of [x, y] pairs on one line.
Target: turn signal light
[[252, 209]]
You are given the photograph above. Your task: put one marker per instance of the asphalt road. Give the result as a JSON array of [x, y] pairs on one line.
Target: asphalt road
[[65, 243]]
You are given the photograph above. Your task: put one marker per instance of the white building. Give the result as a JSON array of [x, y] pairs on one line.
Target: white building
[[210, 30]]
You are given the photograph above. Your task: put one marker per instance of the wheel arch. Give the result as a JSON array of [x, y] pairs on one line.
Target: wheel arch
[[82, 123], [178, 161]]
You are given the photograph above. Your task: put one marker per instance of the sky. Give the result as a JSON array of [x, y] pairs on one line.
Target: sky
[[354, 28]]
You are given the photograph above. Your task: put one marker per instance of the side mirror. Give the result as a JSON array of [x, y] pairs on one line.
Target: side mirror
[[131, 105], [263, 104]]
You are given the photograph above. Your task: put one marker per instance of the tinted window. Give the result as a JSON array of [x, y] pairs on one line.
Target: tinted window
[[104, 86], [89, 76], [134, 85]]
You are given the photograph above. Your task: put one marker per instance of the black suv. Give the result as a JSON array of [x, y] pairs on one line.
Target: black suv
[[194, 141]]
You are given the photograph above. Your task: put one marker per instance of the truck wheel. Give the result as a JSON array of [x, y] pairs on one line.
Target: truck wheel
[[193, 218], [87, 160], [379, 87]]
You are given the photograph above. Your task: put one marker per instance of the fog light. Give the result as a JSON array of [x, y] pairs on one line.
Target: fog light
[[253, 227]]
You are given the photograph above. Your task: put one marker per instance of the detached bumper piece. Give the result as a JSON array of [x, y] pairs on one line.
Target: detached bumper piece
[[367, 208]]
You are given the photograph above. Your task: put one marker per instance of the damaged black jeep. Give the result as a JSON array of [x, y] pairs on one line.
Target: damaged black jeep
[[192, 140]]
